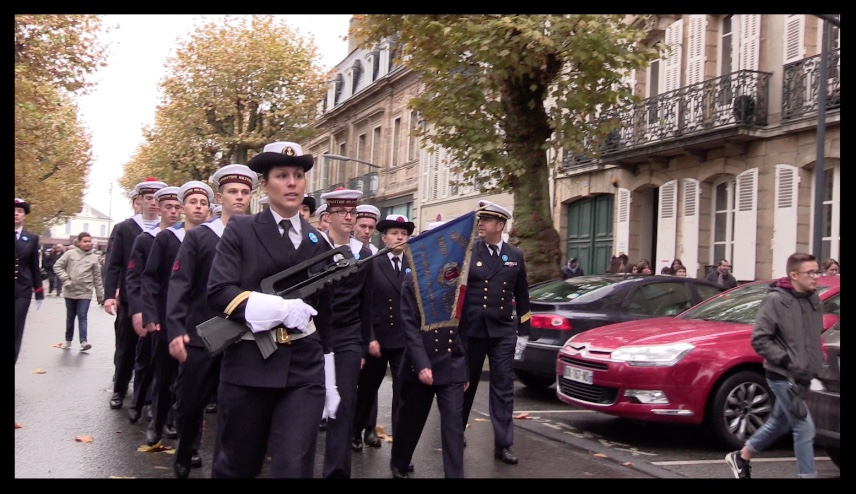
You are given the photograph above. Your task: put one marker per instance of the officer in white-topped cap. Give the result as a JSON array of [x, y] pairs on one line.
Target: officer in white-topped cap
[[352, 301], [386, 340], [187, 306], [271, 405], [118, 255], [496, 287], [28, 277]]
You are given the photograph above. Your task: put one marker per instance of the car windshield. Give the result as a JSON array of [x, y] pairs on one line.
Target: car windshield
[[570, 289], [739, 305]]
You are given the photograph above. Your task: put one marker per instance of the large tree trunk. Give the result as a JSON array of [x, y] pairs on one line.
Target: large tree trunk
[[527, 129]]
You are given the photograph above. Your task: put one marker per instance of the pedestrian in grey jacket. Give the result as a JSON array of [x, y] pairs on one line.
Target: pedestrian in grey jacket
[[787, 335], [79, 271]]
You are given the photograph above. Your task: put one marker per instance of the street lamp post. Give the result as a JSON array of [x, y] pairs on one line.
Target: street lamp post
[[339, 157], [819, 182]]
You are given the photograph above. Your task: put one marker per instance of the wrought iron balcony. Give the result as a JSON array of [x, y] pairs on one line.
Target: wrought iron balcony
[[800, 82], [732, 100]]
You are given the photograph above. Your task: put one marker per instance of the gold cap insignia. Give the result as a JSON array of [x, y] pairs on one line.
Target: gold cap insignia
[[288, 151]]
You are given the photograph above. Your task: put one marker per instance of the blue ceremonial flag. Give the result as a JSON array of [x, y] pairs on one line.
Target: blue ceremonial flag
[[440, 258]]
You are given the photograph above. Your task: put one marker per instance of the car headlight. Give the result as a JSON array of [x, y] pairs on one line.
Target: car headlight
[[652, 355]]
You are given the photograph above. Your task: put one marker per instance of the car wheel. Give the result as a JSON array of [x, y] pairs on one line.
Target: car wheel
[[834, 455], [740, 405], [532, 381]]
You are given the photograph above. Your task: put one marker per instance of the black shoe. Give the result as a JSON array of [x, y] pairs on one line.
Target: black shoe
[[505, 455], [116, 401], [398, 474], [371, 439], [152, 436], [169, 432], [181, 471], [211, 408], [410, 467], [196, 459], [357, 443], [323, 425], [134, 415]]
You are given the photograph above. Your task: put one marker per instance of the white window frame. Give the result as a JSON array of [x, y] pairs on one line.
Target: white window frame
[[785, 217], [667, 222], [793, 38], [834, 239], [690, 196], [728, 241]]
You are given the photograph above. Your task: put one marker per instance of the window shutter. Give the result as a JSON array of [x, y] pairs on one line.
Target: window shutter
[[745, 225], [629, 81], [784, 217], [794, 33], [666, 223], [622, 234], [689, 226], [750, 27], [425, 166], [674, 37], [696, 56], [444, 173], [435, 175]]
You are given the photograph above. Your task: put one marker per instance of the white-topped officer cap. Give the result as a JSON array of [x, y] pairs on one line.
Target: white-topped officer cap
[[342, 197], [368, 211], [196, 187], [170, 193], [281, 153], [489, 209], [396, 221], [235, 173], [435, 224]]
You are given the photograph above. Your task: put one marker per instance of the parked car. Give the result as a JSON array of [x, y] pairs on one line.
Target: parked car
[[824, 396], [697, 368], [563, 308]]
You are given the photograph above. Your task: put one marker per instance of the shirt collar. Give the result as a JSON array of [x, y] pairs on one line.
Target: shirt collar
[[295, 221]]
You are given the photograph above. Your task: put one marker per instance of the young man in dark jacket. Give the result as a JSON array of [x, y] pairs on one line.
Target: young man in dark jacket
[[787, 334]]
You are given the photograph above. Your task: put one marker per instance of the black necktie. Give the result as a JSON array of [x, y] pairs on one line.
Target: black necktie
[[16, 235], [396, 260], [494, 250], [289, 245]]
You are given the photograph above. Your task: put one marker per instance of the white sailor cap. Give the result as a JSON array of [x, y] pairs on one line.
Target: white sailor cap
[[489, 209], [281, 154], [147, 186], [368, 211], [396, 221], [167, 194], [235, 173], [196, 187], [217, 210], [321, 209], [342, 197]]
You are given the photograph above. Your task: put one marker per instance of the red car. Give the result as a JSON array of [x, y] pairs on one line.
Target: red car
[[696, 368]]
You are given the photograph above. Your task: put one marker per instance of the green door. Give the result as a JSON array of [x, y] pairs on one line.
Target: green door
[[590, 232]]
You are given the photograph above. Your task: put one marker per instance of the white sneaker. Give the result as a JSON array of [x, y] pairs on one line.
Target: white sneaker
[[84, 346], [66, 345]]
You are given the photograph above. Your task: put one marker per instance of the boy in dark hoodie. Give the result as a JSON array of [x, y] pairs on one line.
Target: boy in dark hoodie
[[787, 334]]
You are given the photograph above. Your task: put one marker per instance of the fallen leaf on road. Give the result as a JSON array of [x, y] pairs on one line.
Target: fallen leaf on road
[[628, 464], [154, 449], [479, 419], [383, 435], [522, 416], [600, 455], [38, 371], [18, 426], [56, 345], [83, 439]]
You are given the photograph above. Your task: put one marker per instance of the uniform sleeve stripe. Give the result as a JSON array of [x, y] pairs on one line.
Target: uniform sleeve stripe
[[526, 317], [236, 302]]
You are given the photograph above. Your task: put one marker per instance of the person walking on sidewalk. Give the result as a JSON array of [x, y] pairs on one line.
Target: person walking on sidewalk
[[49, 259], [787, 334], [79, 273]]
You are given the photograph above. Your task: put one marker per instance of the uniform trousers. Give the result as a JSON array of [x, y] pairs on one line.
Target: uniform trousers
[[22, 306], [340, 431], [500, 354], [197, 377], [254, 421], [371, 377], [126, 350], [416, 401], [142, 373], [164, 369]]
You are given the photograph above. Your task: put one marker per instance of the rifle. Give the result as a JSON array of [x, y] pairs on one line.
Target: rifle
[[219, 332]]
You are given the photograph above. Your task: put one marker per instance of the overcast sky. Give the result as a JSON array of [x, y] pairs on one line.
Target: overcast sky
[[126, 95]]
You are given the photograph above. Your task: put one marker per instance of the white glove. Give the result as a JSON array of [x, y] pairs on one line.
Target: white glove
[[39, 304], [332, 399], [520, 346], [265, 311]]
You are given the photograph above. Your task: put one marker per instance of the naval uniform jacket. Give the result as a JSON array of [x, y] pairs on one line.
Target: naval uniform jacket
[[119, 254], [28, 275], [251, 249], [443, 350], [187, 297], [136, 266], [155, 281], [494, 286], [386, 303], [352, 303]]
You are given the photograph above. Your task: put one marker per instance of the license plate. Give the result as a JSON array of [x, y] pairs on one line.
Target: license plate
[[579, 375]]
